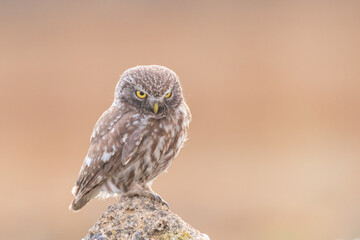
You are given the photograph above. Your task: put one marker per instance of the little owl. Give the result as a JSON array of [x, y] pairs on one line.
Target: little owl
[[136, 138]]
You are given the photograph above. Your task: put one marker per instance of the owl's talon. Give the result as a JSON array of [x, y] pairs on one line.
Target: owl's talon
[[166, 204], [156, 197]]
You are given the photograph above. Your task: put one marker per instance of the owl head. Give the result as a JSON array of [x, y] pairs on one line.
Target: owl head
[[152, 90]]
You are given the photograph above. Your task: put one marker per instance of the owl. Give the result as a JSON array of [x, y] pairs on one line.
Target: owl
[[136, 138]]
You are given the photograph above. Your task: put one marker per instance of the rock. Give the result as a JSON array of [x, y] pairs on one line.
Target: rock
[[142, 218]]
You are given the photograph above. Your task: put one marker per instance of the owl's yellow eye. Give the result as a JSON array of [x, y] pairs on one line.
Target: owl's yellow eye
[[168, 95], [140, 94]]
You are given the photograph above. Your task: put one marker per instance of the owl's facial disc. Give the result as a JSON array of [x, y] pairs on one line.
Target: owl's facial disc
[[152, 90]]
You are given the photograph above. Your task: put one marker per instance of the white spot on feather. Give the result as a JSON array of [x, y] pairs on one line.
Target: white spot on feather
[[74, 189], [88, 161], [125, 137], [167, 127], [135, 123], [106, 156]]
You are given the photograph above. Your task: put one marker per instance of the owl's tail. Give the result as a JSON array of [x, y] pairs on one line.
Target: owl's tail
[[77, 204], [81, 199]]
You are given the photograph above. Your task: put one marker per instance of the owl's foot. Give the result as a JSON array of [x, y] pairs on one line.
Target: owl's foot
[[148, 194], [156, 197]]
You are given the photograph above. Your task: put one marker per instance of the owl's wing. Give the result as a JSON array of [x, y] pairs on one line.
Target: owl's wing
[[108, 151]]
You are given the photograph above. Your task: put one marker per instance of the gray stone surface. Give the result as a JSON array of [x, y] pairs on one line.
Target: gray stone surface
[[141, 218]]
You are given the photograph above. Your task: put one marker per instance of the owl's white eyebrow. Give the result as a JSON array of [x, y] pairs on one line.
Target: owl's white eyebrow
[[169, 90], [139, 89]]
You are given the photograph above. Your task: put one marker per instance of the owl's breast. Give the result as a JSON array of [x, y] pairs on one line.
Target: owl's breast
[[160, 146]]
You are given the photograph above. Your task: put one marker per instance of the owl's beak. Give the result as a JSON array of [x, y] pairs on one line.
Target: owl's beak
[[156, 107]]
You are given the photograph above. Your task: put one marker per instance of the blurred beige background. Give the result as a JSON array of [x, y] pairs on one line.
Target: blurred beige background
[[274, 88]]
